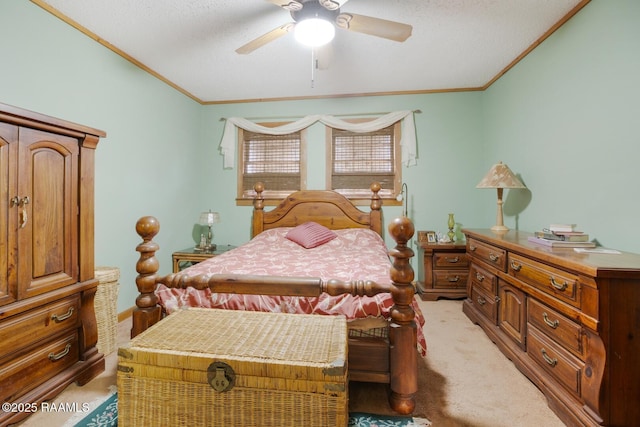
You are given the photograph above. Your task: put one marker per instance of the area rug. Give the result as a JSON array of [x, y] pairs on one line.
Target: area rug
[[106, 415]]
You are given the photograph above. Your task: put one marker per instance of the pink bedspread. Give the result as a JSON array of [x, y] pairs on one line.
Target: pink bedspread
[[270, 253]]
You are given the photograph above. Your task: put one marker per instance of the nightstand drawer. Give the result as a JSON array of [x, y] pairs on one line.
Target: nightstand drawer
[[563, 366], [494, 256], [445, 260], [558, 283], [559, 328], [450, 279]]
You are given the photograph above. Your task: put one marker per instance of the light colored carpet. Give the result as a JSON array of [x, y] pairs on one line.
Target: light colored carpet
[[464, 381]]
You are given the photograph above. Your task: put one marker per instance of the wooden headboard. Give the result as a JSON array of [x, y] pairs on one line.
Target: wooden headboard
[[328, 208]]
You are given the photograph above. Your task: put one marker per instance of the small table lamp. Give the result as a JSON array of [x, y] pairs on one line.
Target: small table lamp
[[208, 219], [500, 177]]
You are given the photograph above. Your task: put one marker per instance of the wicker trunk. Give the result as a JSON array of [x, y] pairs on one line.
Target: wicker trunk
[[206, 367]]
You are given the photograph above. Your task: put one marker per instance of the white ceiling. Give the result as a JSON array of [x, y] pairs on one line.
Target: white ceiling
[[190, 44]]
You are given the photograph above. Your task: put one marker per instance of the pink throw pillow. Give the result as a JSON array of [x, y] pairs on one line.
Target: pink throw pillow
[[310, 235]]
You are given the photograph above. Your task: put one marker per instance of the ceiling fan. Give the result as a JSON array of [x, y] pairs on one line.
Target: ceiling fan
[[329, 11]]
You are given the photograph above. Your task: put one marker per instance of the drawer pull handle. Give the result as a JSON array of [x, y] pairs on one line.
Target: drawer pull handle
[[549, 360], [480, 277], [493, 257], [453, 279], [560, 287], [472, 248], [53, 356], [481, 301], [552, 323], [452, 260], [515, 266], [62, 317]]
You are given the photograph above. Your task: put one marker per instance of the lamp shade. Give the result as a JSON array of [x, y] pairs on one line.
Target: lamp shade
[[500, 176], [314, 32], [209, 218]]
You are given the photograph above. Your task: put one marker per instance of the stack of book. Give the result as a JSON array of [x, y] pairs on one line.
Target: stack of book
[[562, 235]]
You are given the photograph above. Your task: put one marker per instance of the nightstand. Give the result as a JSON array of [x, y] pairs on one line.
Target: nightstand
[[444, 270], [190, 256]]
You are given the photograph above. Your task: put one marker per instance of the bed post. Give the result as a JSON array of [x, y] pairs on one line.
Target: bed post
[[402, 330], [258, 210], [147, 311], [376, 208]]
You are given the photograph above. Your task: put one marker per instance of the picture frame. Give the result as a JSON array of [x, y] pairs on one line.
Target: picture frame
[[422, 236], [432, 237]]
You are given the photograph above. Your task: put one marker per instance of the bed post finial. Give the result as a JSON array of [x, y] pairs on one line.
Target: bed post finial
[[402, 330], [147, 311], [376, 207], [258, 209]]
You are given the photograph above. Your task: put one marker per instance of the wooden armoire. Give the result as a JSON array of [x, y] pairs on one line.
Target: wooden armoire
[[48, 330]]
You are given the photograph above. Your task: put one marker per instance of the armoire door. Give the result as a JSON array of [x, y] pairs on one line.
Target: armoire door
[[47, 212], [8, 146]]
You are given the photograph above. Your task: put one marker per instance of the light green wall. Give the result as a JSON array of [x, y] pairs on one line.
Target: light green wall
[[566, 118], [574, 95], [145, 166]]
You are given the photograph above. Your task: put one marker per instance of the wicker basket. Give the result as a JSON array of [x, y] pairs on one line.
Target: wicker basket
[[106, 308], [208, 367]]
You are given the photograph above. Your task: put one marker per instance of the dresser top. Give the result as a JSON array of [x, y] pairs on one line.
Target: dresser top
[[622, 265]]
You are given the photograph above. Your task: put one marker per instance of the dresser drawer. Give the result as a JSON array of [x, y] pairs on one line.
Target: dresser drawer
[[563, 367], [38, 324], [559, 328], [558, 283], [450, 279], [492, 255], [483, 278], [450, 260], [485, 303], [26, 372]]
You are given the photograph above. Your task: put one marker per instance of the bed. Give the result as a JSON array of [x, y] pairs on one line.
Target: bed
[[274, 272]]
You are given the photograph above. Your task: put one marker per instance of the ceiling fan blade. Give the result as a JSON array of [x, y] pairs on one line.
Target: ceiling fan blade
[[332, 4], [265, 38], [287, 4], [374, 26]]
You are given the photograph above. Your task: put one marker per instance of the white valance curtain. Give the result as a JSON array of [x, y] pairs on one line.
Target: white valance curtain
[[407, 142]]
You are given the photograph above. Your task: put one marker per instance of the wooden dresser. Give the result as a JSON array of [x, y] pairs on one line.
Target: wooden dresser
[[444, 270], [569, 321], [48, 328]]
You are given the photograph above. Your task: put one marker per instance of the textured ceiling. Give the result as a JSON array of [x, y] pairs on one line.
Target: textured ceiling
[[190, 44]]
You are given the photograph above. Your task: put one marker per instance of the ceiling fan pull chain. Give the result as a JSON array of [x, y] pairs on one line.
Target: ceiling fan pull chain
[[313, 67]]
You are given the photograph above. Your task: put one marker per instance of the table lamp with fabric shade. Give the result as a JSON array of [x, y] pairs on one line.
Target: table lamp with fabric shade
[[500, 177]]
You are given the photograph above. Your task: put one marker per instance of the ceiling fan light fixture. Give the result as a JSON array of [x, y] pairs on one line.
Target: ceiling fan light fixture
[[314, 32]]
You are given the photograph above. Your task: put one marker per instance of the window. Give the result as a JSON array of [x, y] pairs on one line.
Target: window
[[356, 160], [278, 161]]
